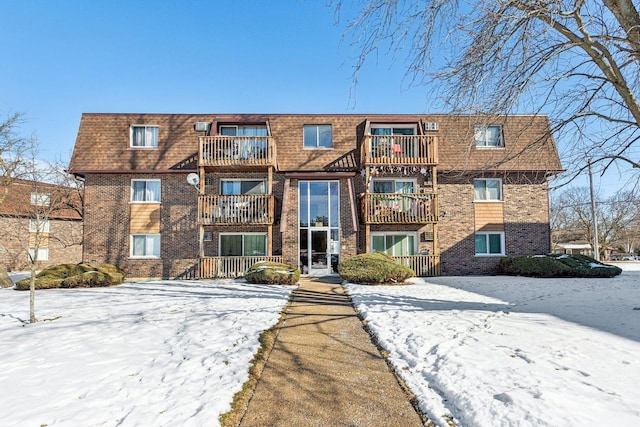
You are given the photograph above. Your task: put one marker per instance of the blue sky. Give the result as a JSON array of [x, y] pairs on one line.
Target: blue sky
[[63, 58]]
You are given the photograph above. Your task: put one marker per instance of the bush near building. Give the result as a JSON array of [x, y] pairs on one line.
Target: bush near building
[[75, 276], [375, 268], [272, 273], [556, 265]]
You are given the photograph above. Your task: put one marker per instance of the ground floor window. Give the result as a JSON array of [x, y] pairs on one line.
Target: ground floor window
[[43, 253], [145, 246], [243, 244], [394, 244], [490, 243]]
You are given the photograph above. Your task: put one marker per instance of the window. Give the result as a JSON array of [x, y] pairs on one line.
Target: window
[[490, 244], [393, 129], [145, 190], [488, 136], [144, 136], [145, 246], [208, 236], [317, 136], [40, 199], [394, 244], [43, 254], [243, 187], [487, 189], [390, 186], [243, 244], [41, 225], [233, 130]]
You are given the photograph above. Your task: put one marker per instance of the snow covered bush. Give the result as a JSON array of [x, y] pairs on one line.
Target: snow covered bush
[[272, 273], [374, 269], [75, 276], [556, 265]]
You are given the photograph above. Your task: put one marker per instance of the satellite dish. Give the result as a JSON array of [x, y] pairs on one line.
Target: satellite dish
[[193, 179]]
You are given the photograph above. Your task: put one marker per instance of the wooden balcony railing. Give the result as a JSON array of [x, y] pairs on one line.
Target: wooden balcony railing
[[229, 267], [236, 151], [422, 265], [400, 149], [380, 208], [241, 209]]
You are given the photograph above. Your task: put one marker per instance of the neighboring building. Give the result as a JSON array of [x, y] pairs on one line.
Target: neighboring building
[[443, 194], [54, 210]]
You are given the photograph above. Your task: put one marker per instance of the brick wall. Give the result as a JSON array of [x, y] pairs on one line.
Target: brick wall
[[107, 223], [64, 243], [526, 216]]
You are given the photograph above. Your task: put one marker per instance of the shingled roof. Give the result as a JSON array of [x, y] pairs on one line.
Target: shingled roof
[[103, 141], [65, 203]]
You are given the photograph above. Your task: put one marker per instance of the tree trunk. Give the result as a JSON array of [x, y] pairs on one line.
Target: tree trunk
[[32, 295]]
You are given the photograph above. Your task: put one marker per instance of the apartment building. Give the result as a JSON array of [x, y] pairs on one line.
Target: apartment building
[[207, 195], [39, 219]]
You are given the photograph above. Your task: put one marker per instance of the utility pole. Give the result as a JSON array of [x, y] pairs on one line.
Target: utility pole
[[594, 218]]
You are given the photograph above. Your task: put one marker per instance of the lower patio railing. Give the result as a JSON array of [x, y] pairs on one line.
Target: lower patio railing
[[229, 267], [422, 265]]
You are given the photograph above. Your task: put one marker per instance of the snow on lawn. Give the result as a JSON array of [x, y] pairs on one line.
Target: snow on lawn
[[163, 353], [514, 351]]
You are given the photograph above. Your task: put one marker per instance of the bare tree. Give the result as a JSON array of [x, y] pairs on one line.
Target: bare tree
[[571, 217], [576, 60]]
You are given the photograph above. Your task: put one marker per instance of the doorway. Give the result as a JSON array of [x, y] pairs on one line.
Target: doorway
[[319, 230]]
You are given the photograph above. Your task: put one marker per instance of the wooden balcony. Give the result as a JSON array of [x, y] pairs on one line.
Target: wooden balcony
[[236, 152], [400, 150], [380, 208], [229, 267], [241, 209], [422, 265]]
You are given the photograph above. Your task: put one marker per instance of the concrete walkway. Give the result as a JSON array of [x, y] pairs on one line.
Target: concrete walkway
[[324, 370]]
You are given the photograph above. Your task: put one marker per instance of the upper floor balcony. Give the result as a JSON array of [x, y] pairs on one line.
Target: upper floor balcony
[[236, 152], [399, 208], [214, 209], [400, 150]]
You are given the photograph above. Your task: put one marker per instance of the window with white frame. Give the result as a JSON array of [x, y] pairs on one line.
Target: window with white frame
[[488, 136], [394, 244], [41, 225], [393, 129], [250, 244], [40, 199], [489, 243], [145, 246], [317, 136], [43, 254], [243, 186], [487, 189], [145, 190], [242, 130], [144, 136]]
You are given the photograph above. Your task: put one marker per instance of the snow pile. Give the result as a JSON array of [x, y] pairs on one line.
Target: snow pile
[[140, 354], [514, 351]]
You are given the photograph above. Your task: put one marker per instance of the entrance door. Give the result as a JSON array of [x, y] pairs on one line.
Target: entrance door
[[319, 227]]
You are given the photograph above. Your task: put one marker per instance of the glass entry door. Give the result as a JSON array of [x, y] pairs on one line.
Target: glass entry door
[[319, 221]]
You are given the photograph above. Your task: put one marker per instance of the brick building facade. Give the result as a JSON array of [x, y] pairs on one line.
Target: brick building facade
[[443, 194]]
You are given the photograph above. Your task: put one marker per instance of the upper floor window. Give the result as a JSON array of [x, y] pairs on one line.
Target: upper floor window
[[144, 136], [488, 136], [487, 189], [40, 199], [388, 186], [242, 130], [317, 136], [39, 226], [145, 190], [393, 130], [232, 187]]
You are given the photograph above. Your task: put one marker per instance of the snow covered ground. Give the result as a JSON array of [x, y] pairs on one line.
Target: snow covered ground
[[514, 351], [140, 354]]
